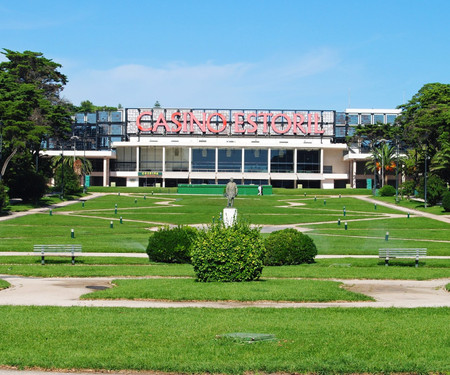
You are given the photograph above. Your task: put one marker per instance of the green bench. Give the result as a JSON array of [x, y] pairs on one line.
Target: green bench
[[57, 250], [389, 253]]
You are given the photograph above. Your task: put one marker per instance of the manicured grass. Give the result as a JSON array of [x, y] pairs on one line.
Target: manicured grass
[[3, 284], [263, 290], [367, 226], [414, 204], [343, 268], [93, 234], [185, 340]]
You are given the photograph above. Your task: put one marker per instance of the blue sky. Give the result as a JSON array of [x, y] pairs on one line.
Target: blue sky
[[284, 54]]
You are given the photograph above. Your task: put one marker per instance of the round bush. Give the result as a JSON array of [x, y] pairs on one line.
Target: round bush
[[228, 254], [171, 245], [289, 247], [446, 201], [387, 191]]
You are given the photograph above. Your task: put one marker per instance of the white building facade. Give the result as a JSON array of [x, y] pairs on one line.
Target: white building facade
[[166, 146]]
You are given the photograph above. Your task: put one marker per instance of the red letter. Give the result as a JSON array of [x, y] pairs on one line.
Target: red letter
[[161, 121], [274, 119], [238, 122], [252, 123], [316, 125], [309, 122], [138, 121], [265, 115], [194, 119], [224, 120], [299, 124], [176, 122]]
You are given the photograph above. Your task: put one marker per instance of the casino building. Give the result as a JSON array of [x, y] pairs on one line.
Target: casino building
[[167, 146]]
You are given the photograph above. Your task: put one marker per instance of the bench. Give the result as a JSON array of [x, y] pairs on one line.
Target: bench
[[57, 250], [401, 253]]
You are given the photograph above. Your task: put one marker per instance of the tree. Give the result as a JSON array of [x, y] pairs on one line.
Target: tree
[[30, 105], [382, 160], [425, 121], [87, 106]]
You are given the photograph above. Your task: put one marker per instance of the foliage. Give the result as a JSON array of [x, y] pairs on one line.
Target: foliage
[[85, 165], [382, 160], [289, 247], [171, 245], [233, 253], [407, 188], [3, 197], [446, 201], [27, 185], [426, 123], [87, 106], [30, 105], [435, 189], [67, 181], [387, 191]]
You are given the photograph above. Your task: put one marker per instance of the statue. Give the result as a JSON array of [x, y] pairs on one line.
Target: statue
[[231, 191]]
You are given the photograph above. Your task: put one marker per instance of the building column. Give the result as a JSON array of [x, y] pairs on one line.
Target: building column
[[105, 172], [243, 165], [321, 161], [163, 166], [189, 164], [216, 164], [269, 152], [354, 174], [137, 158]]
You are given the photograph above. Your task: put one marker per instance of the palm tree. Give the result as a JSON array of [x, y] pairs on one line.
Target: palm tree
[[80, 165], [382, 160]]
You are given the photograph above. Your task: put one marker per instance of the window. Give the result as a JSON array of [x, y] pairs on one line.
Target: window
[[177, 159], [282, 161], [255, 160], [308, 161], [203, 160], [230, 160], [150, 159]]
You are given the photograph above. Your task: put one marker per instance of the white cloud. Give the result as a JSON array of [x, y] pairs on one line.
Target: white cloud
[[212, 85]]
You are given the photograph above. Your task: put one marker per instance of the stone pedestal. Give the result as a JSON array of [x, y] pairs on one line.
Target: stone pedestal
[[229, 216]]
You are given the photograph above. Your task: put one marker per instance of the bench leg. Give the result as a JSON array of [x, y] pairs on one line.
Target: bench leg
[[73, 260], [42, 259], [386, 262], [417, 262]]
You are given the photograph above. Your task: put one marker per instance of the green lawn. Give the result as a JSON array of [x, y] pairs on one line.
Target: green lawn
[[333, 340], [345, 268], [3, 284], [262, 290], [366, 225]]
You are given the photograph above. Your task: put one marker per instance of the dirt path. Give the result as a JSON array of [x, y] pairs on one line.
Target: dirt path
[[67, 291]]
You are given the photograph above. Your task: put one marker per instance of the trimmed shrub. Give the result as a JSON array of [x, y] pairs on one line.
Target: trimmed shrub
[[228, 254], [289, 247], [171, 245], [435, 189], [387, 191], [407, 188], [446, 201], [27, 185]]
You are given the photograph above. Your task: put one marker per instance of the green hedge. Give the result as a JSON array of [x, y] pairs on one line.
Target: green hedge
[[228, 254], [289, 247], [171, 245]]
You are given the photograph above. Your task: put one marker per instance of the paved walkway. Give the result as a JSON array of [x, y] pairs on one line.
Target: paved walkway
[[67, 291]]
